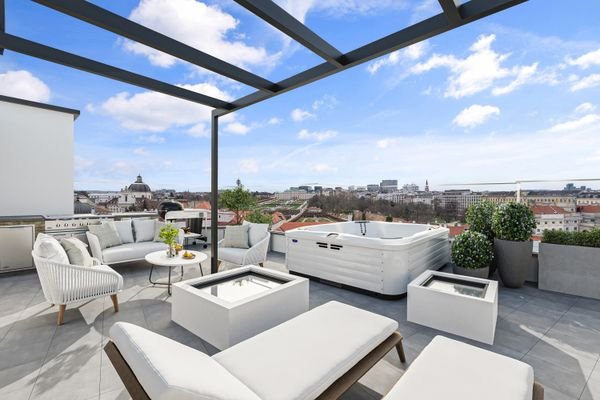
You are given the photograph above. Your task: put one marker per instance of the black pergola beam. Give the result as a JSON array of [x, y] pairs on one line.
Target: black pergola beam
[[51, 54], [2, 22], [90, 13], [470, 11], [450, 8], [276, 16]]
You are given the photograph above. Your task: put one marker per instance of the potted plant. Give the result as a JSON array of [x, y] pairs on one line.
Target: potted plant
[[169, 234], [570, 262], [479, 218], [472, 254], [513, 224]]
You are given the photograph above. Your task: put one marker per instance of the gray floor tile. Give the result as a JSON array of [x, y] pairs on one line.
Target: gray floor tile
[[563, 380]]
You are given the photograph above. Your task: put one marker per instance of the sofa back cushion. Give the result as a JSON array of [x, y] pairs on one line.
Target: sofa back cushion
[[236, 236], [144, 229], [256, 232], [107, 235], [125, 230], [77, 252], [49, 248]]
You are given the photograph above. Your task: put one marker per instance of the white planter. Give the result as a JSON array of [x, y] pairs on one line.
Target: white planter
[[223, 323], [465, 315]]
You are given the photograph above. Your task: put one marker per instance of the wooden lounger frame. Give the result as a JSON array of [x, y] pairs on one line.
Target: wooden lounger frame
[[338, 388]]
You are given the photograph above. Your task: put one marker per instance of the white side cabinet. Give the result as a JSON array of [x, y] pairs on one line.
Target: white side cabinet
[[16, 244]]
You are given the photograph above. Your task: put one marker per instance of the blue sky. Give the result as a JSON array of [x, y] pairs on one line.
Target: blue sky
[[513, 96]]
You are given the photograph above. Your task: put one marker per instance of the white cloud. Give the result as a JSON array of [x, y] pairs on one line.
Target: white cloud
[[571, 125], [274, 121], [82, 163], [411, 53], [475, 115], [24, 85], [326, 101], [157, 112], [248, 166], [317, 136], [152, 139], [586, 60], [324, 168], [584, 108], [588, 82], [299, 114], [237, 128], [337, 8], [202, 26], [140, 151], [479, 71]]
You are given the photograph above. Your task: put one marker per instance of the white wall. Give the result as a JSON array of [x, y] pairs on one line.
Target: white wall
[[36, 161]]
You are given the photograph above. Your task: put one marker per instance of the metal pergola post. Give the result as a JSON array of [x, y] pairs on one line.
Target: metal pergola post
[[214, 192]]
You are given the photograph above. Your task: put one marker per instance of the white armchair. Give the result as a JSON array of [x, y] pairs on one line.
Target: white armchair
[[64, 284], [256, 254]]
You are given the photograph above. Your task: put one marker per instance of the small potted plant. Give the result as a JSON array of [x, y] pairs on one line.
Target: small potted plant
[[169, 234], [472, 254], [479, 218], [513, 225]]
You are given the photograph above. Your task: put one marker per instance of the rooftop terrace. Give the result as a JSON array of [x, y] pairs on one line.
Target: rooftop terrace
[[559, 335]]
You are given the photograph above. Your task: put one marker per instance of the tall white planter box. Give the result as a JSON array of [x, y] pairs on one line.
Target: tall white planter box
[[461, 305], [211, 314]]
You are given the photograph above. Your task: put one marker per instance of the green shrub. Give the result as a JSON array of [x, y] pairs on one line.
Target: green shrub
[[584, 238], [472, 250], [257, 217], [513, 221], [479, 217]]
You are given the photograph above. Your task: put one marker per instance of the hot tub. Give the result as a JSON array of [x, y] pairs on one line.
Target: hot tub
[[380, 257]]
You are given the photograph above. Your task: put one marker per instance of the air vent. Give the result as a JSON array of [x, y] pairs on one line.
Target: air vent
[[322, 245], [335, 247]]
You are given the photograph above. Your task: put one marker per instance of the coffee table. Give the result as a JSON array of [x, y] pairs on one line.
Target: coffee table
[[160, 259]]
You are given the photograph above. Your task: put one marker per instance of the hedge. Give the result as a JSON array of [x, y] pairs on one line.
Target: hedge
[[583, 238]]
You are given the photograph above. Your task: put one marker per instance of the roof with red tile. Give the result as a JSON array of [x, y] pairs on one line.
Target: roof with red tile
[[539, 210], [589, 209], [457, 230]]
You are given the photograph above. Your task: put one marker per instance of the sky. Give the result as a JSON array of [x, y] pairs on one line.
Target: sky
[[513, 96]]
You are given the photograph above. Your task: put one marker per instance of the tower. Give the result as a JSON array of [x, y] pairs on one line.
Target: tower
[[426, 185]]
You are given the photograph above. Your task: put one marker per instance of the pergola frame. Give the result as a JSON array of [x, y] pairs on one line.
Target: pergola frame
[[453, 16]]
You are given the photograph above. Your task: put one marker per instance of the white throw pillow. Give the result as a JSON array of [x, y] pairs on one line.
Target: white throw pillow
[[157, 227], [257, 232], [107, 235], [236, 236], [77, 252], [49, 248], [144, 230], [124, 229]]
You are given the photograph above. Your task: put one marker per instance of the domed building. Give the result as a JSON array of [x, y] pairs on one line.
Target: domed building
[[134, 193]]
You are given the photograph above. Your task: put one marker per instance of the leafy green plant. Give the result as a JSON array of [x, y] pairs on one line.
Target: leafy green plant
[[479, 217], [257, 217], [513, 221], [237, 200], [389, 218], [169, 234], [585, 238], [472, 250]]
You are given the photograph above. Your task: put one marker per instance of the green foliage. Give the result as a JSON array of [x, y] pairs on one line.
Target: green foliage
[[472, 250], [237, 200], [257, 217], [513, 221], [479, 217], [168, 234], [585, 238], [389, 218]]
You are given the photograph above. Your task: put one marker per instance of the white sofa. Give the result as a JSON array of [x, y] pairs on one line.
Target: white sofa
[[318, 354], [130, 250], [256, 254]]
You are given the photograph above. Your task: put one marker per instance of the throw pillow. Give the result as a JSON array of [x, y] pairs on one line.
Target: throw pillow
[[77, 252], [49, 248], [124, 229], [157, 227], [256, 233], [236, 236], [107, 235], [144, 230]]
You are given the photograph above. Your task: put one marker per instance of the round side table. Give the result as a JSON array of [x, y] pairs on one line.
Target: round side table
[[160, 259]]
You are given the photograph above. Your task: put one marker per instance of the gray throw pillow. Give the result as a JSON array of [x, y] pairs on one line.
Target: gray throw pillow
[[157, 227], [236, 236], [107, 235], [144, 230], [124, 229], [256, 232], [77, 252]]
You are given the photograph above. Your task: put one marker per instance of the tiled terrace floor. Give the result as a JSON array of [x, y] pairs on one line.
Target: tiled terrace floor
[[558, 335]]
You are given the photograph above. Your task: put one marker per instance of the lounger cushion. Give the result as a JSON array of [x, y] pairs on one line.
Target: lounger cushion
[[130, 251], [302, 357], [168, 370], [448, 369]]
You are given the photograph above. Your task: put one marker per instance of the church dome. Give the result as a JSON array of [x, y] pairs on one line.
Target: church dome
[[138, 186]]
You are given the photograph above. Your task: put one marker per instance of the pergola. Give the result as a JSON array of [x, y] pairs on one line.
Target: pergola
[[453, 16]]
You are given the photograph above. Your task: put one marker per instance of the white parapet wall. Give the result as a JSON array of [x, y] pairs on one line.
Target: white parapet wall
[[36, 158]]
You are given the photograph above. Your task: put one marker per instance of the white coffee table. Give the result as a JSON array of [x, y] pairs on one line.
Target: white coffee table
[[160, 259]]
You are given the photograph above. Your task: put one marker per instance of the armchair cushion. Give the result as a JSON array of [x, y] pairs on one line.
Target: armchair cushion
[[49, 248], [125, 230], [107, 235], [144, 230], [232, 255], [77, 252], [236, 236], [256, 232], [94, 245], [170, 370]]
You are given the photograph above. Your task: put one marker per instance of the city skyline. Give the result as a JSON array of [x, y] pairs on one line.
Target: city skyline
[[492, 101]]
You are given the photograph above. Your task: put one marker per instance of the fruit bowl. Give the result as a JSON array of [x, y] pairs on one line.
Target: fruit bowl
[[188, 256]]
